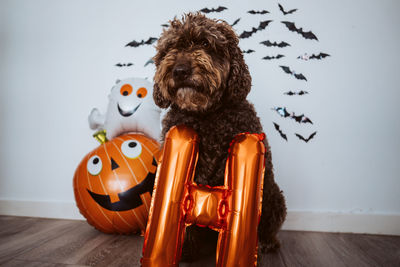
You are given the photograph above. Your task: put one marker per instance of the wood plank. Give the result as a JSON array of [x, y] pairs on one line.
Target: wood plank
[[122, 250], [349, 254], [22, 263], [307, 249], [10, 225], [380, 250], [35, 242], [69, 247], [29, 235]]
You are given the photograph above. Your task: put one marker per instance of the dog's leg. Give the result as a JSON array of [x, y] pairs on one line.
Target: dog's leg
[[199, 242], [273, 209]]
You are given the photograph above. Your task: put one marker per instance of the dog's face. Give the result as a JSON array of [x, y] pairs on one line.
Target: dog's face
[[198, 64]]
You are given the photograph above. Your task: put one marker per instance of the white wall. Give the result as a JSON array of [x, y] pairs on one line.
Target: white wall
[[57, 63]]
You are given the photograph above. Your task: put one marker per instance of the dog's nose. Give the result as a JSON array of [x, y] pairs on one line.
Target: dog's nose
[[181, 71]]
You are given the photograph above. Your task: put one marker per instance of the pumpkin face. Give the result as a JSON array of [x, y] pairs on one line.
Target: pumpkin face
[[112, 184]]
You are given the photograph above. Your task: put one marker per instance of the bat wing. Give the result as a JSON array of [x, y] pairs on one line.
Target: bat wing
[[150, 40], [276, 126], [290, 25], [249, 51], [279, 56], [305, 120], [247, 34], [118, 65], [291, 11], [281, 8], [298, 118], [267, 43], [264, 24], [300, 76], [311, 136], [220, 8], [150, 61], [286, 69], [324, 55], [302, 92], [280, 131], [206, 10], [134, 43], [129, 64], [283, 44], [165, 25], [301, 137], [236, 22], [308, 35]]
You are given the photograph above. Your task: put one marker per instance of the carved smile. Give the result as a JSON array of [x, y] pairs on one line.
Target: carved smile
[[129, 199], [127, 113]]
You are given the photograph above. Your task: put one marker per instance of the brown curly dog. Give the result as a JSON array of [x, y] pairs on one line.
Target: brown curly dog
[[201, 75]]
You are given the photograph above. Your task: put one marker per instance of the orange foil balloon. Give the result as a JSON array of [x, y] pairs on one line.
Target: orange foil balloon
[[233, 209], [112, 184]]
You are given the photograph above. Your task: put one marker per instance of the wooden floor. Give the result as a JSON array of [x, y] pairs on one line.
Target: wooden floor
[[26, 241]]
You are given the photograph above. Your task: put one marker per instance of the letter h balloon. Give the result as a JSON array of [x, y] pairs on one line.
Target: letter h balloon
[[233, 209]]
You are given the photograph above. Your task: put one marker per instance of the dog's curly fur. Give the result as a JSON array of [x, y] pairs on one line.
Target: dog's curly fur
[[201, 75]]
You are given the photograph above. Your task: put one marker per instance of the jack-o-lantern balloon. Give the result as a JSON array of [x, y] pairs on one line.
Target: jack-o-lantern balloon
[[114, 182]]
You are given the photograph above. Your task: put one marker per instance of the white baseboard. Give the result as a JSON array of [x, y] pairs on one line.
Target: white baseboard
[[385, 224], [44, 209]]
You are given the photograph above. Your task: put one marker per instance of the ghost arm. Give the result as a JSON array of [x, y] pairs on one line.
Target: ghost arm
[[96, 119]]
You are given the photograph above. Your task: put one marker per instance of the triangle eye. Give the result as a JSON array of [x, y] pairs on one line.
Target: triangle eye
[[131, 148], [94, 165]]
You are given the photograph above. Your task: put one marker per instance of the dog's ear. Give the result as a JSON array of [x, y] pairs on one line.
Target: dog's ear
[[159, 99], [239, 81]]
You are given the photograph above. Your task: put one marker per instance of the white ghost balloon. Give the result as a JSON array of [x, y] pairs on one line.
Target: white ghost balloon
[[130, 109]]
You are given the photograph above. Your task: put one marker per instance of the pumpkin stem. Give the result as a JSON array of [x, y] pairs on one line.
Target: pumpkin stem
[[100, 136]]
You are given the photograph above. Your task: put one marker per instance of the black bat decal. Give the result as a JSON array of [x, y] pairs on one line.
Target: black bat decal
[[249, 51], [273, 57], [262, 12], [313, 56], [143, 42], [165, 25], [150, 61], [306, 139], [235, 22], [269, 44], [286, 12], [298, 76], [292, 27], [218, 9], [277, 127], [262, 26], [284, 113], [296, 93], [124, 64]]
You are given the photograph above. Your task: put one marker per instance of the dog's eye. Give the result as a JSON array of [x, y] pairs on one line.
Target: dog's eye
[[141, 92], [205, 44]]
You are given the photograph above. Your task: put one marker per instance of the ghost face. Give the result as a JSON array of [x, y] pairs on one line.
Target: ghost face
[[131, 109], [129, 100]]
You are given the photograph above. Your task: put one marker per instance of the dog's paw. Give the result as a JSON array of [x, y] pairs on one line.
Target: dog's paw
[[270, 246]]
